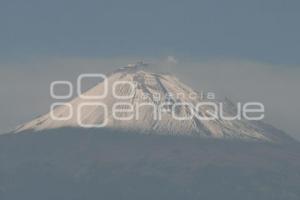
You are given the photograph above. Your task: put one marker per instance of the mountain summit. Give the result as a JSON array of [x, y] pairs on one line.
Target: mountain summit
[[131, 98]]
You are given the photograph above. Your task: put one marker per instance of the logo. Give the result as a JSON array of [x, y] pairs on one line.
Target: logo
[[202, 106]]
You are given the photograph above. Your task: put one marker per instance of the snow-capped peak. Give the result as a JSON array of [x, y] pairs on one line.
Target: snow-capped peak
[[141, 89]]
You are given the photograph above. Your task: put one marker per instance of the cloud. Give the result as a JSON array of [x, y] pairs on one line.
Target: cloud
[[24, 87], [171, 60]]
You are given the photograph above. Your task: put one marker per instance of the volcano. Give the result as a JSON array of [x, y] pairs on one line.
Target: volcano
[[64, 156], [147, 91]]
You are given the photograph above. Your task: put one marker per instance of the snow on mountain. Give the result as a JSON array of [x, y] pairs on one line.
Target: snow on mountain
[[141, 117]]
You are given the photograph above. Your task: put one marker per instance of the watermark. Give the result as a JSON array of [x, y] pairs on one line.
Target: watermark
[[120, 106]]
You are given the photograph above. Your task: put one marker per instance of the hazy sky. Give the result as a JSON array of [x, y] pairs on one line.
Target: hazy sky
[[265, 30], [246, 49]]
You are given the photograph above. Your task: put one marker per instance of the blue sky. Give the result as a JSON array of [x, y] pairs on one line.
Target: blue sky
[[264, 30]]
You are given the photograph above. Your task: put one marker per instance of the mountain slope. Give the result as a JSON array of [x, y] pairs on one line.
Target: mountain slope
[[148, 87], [75, 164]]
